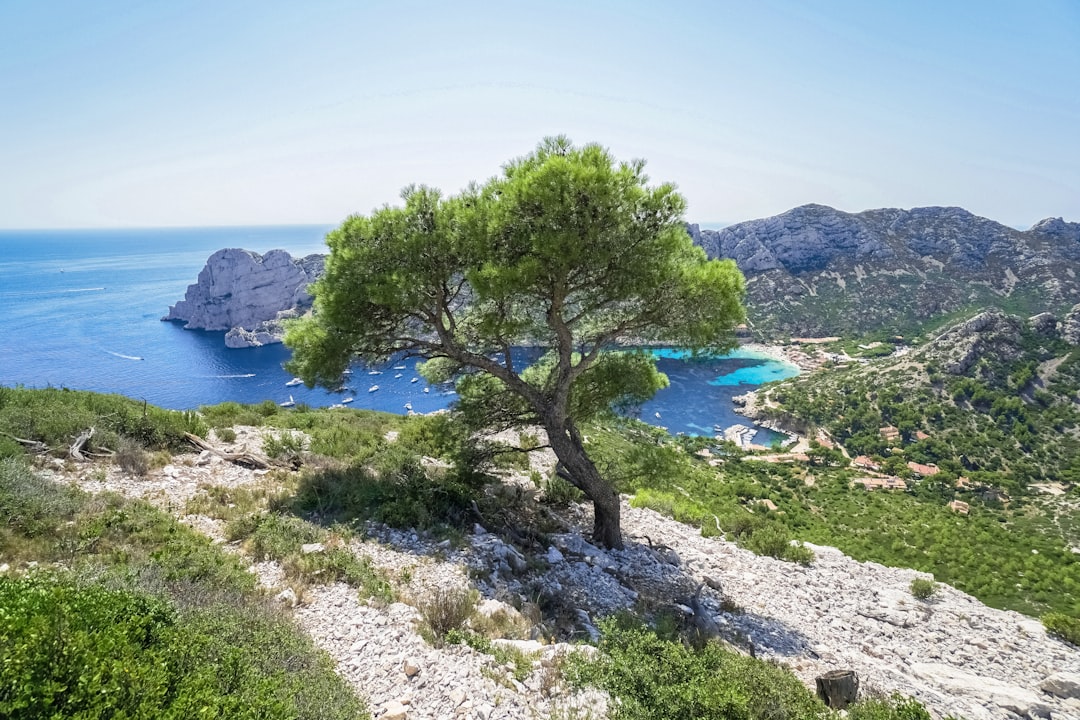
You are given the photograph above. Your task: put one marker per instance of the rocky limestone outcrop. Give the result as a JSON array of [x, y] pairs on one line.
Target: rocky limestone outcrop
[[960, 347], [814, 270], [1070, 327], [248, 295]]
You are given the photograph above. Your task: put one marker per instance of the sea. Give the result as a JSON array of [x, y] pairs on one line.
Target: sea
[[82, 309]]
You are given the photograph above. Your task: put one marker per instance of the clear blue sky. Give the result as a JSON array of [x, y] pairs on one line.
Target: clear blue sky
[[117, 113]]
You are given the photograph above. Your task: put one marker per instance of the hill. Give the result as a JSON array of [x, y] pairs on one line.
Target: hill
[[814, 270]]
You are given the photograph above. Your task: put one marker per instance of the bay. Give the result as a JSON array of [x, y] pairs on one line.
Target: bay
[[81, 309]]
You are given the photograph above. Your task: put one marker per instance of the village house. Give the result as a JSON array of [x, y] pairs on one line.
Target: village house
[[890, 433], [923, 470], [881, 483], [866, 463], [959, 506]]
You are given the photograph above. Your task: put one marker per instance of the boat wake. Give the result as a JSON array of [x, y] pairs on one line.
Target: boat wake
[[50, 292], [126, 357], [245, 375]]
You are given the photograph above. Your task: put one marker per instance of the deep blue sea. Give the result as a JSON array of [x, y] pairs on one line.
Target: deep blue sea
[[81, 309]]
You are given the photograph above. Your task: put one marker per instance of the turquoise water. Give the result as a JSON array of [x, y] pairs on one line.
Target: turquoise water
[[82, 309]]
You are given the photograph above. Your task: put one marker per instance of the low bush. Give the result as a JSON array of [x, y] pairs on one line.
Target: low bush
[[894, 707], [132, 458], [446, 611], [87, 651], [650, 677], [56, 416], [923, 588], [31, 505], [1062, 626]]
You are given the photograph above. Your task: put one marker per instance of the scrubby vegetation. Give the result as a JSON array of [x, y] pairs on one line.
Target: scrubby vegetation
[[139, 616]]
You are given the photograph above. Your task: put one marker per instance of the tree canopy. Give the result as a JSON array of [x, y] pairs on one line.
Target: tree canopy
[[567, 249]]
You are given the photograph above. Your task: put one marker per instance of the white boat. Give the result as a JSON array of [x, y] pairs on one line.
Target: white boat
[[290, 403], [375, 372], [398, 375], [373, 388], [337, 406], [408, 406], [399, 367], [427, 389], [347, 400], [414, 380], [657, 415], [294, 382]]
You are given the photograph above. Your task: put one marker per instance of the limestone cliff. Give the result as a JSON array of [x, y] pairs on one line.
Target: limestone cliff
[[815, 270], [247, 295]]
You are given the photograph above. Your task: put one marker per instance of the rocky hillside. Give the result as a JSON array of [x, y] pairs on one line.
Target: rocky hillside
[[818, 271], [952, 653], [248, 294]]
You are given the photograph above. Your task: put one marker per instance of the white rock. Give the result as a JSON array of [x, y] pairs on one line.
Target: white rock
[[309, 548], [1062, 684], [1013, 698], [553, 555], [393, 710], [287, 597]]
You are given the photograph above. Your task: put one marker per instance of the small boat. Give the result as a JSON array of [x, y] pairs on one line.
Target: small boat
[[408, 406], [657, 415], [414, 380], [399, 367], [290, 403], [346, 371], [294, 382], [397, 376], [427, 389], [373, 388], [375, 372], [337, 406], [347, 400]]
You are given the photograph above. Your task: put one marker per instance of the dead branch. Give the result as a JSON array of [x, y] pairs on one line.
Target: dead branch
[[33, 446], [77, 447], [248, 460]]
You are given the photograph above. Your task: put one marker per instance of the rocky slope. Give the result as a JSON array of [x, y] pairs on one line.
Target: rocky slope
[[953, 653], [815, 270], [248, 295]]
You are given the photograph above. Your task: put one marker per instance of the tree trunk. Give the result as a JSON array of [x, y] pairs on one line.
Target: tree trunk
[[582, 473], [838, 688]]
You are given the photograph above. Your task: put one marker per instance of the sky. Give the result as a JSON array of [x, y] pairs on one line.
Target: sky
[[119, 113]]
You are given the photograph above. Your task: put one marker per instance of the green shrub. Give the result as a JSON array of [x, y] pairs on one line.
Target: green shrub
[[923, 588], [1062, 626], [56, 416], [650, 677], [225, 434], [894, 707], [284, 444], [132, 458], [30, 504], [88, 651], [446, 611]]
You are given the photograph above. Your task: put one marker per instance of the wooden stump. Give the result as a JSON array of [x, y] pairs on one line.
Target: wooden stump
[[838, 688]]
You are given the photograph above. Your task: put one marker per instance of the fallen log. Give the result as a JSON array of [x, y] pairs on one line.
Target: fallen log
[[838, 688], [33, 446], [248, 460], [77, 447]]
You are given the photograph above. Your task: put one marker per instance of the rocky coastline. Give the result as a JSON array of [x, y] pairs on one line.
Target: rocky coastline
[[248, 295]]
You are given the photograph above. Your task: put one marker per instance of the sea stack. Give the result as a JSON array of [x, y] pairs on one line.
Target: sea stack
[[248, 294]]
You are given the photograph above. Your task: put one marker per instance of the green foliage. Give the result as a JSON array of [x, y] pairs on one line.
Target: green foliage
[[567, 249], [88, 651], [656, 679], [923, 589], [284, 444], [894, 707], [1062, 626], [445, 612], [57, 416], [30, 505]]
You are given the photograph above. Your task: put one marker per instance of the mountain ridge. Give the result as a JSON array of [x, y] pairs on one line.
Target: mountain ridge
[[815, 270]]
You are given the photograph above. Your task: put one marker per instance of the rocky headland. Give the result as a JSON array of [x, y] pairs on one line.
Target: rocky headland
[[248, 295]]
